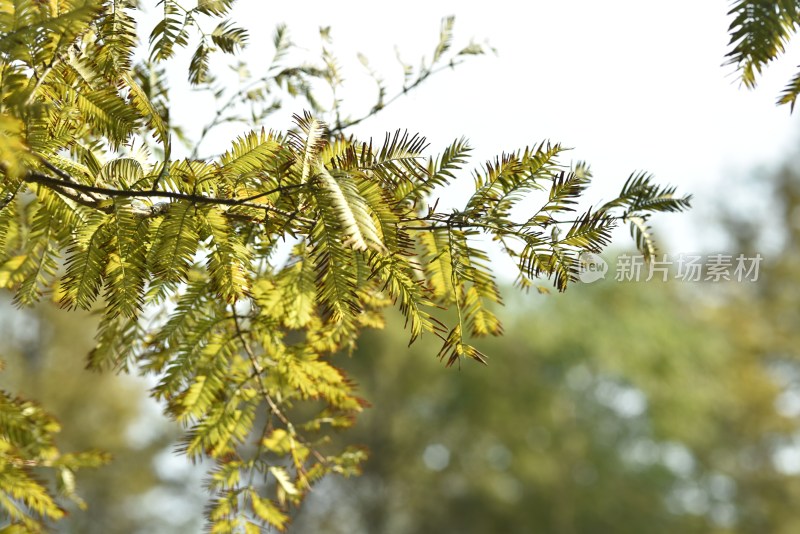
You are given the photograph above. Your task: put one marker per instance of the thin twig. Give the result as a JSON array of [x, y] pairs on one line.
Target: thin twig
[[374, 111], [63, 175], [259, 370]]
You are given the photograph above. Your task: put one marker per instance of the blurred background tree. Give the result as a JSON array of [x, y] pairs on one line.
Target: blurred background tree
[[144, 489], [677, 410]]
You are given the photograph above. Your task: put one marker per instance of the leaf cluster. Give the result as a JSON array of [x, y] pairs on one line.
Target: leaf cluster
[[181, 257], [759, 32], [28, 457]]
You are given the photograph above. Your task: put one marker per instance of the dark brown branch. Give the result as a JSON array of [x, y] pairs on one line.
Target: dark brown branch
[[63, 175], [278, 189], [59, 185], [78, 198], [450, 223]]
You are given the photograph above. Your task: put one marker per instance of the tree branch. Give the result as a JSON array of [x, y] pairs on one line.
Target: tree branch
[[58, 185], [341, 126], [258, 370]]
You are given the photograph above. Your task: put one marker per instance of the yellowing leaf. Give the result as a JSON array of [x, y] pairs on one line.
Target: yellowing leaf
[[284, 480], [268, 511]]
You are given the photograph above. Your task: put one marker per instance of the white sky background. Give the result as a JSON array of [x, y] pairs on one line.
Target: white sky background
[[631, 85]]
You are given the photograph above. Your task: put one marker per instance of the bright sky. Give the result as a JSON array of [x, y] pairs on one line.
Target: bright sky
[[629, 84]]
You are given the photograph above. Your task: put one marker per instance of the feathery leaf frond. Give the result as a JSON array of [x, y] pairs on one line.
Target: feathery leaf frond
[[174, 245], [86, 263], [759, 32], [126, 273]]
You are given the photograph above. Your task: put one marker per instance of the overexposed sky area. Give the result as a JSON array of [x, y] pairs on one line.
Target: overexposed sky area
[[631, 85]]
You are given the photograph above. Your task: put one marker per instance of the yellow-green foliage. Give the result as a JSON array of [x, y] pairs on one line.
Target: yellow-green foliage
[[178, 254], [26, 445], [759, 32]]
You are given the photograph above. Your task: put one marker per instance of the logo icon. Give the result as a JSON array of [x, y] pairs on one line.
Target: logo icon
[[591, 267]]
